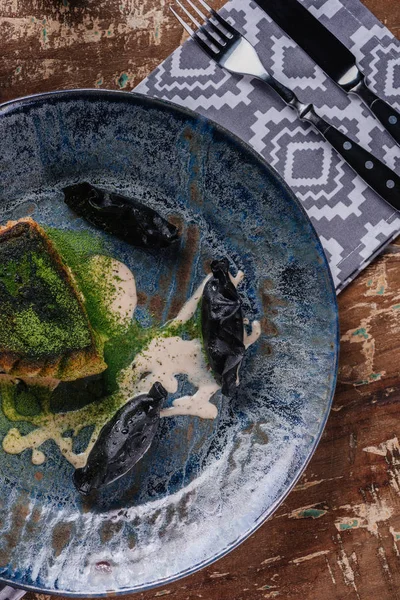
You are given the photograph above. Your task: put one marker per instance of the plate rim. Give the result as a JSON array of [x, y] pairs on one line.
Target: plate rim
[[84, 93]]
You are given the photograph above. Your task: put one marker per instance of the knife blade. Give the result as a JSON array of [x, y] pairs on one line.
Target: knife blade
[[331, 55]]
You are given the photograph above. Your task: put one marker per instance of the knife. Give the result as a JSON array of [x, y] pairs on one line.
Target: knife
[[331, 55]]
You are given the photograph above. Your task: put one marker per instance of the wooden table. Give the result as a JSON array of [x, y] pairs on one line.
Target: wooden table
[[337, 536]]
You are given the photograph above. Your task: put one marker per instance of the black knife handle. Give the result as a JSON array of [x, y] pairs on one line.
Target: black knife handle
[[387, 115], [376, 174]]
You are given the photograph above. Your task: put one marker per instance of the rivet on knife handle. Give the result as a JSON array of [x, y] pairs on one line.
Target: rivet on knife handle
[[387, 115], [375, 173]]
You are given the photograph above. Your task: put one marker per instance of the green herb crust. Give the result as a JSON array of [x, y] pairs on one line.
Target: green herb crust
[[44, 328], [121, 342], [93, 403]]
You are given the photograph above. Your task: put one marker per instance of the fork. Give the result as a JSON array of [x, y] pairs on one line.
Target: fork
[[233, 52]]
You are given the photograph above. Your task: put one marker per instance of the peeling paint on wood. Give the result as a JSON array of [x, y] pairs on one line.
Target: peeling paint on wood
[[365, 515], [313, 511], [384, 448], [271, 560], [391, 451], [302, 559], [67, 43]]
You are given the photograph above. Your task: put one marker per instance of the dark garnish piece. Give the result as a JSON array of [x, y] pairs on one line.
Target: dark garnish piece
[[122, 441], [127, 219], [222, 326]]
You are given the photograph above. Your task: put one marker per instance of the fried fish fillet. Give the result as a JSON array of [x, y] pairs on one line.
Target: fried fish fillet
[[45, 332]]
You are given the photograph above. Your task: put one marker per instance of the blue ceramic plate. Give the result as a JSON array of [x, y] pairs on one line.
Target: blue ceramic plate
[[204, 486]]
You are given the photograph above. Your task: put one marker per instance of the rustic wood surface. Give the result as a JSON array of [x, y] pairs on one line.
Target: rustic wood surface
[[337, 536]]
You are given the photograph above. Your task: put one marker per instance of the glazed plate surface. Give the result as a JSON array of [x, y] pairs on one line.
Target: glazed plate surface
[[205, 485]]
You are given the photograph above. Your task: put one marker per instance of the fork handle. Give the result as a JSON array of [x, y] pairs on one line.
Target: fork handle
[[387, 115], [374, 172]]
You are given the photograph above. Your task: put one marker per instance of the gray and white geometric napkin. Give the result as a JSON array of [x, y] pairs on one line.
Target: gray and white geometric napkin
[[353, 223]]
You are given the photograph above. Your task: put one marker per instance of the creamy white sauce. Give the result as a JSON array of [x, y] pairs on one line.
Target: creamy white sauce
[[38, 457], [163, 360], [53, 429], [121, 296], [189, 308], [237, 279], [121, 300], [166, 358], [252, 337]]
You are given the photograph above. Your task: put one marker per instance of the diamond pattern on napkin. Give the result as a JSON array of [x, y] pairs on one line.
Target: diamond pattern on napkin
[[353, 223]]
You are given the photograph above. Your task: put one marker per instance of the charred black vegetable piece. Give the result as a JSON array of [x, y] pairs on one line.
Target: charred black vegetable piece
[[122, 441], [222, 326], [127, 219]]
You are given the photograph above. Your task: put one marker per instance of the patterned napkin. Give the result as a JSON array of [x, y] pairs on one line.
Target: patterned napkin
[[353, 223]]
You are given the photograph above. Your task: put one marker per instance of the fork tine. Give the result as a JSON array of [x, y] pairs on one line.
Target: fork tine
[[207, 49], [221, 34], [222, 37], [182, 22], [223, 22], [191, 17], [203, 3], [218, 17], [201, 14], [212, 39]]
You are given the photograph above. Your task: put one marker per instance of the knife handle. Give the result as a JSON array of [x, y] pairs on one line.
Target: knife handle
[[387, 115], [374, 172]]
